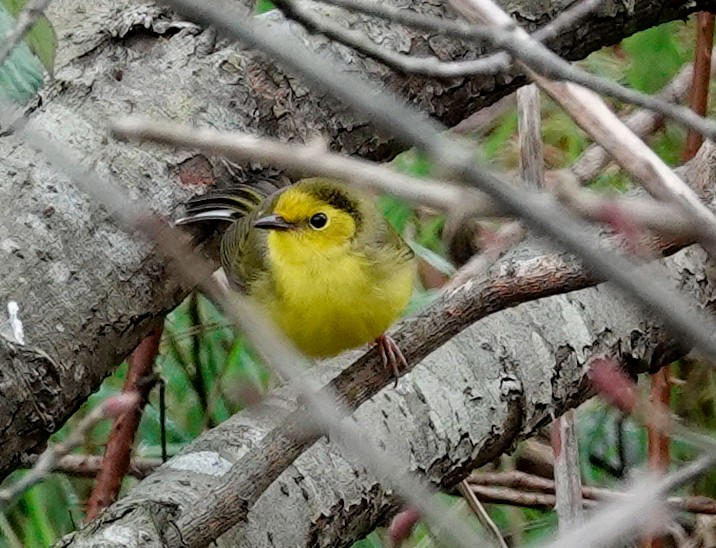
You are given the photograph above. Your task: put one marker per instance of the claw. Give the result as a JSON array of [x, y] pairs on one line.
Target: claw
[[391, 356]]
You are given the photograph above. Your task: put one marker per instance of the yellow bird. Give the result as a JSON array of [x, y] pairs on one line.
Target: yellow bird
[[320, 259]]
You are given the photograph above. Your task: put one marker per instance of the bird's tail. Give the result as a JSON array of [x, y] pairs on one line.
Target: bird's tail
[[228, 205]]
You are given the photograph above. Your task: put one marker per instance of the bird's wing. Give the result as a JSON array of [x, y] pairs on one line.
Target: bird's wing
[[395, 240], [387, 245], [242, 248], [226, 205], [243, 252]]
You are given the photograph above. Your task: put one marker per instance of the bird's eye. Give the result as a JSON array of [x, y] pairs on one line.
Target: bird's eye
[[318, 221]]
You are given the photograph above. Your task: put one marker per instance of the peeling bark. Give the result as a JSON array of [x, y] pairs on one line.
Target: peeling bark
[[472, 399], [88, 293]]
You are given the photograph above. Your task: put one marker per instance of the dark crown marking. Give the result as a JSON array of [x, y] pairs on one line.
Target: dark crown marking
[[340, 199]]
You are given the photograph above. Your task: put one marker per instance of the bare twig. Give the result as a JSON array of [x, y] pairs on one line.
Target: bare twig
[[482, 516], [411, 64], [441, 195], [592, 114], [330, 418], [88, 466], [644, 213], [636, 511], [700, 86], [492, 64], [658, 439], [532, 171], [46, 463], [529, 121], [486, 118], [121, 438], [511, 487], [24, 21], [312, 158], [642, 122], [515, 497], [500, 31], [567, 475], [407, 64], [567, 19]]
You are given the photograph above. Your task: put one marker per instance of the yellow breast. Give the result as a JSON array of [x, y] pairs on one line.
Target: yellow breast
[[329, 301]]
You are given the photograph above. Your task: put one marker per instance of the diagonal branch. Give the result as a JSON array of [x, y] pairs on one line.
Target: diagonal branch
[[592, 114], [278, 425], [89, 313], [388, 114]]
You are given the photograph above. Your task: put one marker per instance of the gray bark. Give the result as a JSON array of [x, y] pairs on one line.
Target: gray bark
[[475, 397], [88, 292], [472, 399]]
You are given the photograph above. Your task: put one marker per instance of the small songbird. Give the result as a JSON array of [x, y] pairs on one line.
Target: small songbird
[[320, 259]]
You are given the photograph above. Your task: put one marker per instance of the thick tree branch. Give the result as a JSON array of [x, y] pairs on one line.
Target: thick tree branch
[[511, 390], [182, 483], [88, 293]]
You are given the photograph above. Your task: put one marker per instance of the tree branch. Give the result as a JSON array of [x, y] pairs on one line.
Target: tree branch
[[512, 391], [88, 293]]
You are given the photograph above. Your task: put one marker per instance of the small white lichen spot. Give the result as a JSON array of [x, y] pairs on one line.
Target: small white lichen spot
[[13, 312], [122, 536], [59, 273], [203, 462], [8, 245]]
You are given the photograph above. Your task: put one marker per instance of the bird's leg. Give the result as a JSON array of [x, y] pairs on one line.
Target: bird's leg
[[391, 355]]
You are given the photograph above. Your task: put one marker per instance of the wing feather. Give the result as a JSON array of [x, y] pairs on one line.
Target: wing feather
[[243, 250]]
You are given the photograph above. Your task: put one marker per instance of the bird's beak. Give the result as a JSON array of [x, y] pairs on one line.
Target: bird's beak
[[273, 222]]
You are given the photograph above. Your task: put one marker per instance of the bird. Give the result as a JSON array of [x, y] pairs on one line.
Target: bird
[[320, 260]]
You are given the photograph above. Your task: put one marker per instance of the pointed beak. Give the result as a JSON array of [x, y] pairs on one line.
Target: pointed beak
[[273, 222]]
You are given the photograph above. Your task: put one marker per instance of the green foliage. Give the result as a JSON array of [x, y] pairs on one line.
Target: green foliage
[[414, 163], [262, 6], [494, 143], [41, 38], [656, 55], [22, 73], [211, 373], [398, 213]]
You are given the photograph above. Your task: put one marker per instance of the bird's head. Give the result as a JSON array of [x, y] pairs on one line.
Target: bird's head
[[314, 215]]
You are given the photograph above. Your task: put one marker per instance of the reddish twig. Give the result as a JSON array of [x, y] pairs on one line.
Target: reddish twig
[[115, 464], [659, 457], [514, 497], [611, 382], [658, 440], [521, 489], [701, 78], [402, 525]]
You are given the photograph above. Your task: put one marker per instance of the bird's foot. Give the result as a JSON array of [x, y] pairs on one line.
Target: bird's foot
[[391, 355]]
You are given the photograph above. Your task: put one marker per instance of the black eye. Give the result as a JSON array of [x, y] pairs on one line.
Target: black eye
[[318, 221]]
